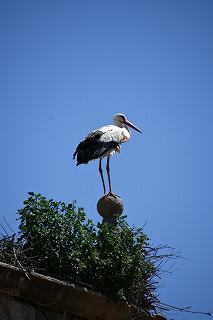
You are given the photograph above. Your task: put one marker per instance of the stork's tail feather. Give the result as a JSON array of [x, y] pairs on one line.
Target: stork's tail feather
[[91, 149], [74, 155]]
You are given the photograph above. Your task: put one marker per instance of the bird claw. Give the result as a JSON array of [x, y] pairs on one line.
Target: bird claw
[[110, 194]]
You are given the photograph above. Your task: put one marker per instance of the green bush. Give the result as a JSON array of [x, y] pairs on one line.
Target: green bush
[[116, 260]]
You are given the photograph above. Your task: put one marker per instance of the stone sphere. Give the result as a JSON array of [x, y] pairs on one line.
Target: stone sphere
[[109, 206]]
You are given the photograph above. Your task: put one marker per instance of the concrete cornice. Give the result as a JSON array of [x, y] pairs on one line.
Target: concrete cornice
[[62, 297]]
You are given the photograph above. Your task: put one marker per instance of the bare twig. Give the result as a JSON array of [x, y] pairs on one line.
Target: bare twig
[[20, 265], [8, 225], [167, 307]]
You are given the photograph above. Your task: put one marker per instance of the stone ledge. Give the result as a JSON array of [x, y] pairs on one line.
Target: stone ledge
[[58, 296]]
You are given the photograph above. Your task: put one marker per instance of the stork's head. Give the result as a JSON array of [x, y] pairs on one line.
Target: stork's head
[[121, 121]]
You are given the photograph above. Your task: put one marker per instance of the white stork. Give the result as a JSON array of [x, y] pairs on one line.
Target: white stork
[[104, 142]]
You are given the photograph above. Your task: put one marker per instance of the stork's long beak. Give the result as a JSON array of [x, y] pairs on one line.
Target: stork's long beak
[[131, 125]]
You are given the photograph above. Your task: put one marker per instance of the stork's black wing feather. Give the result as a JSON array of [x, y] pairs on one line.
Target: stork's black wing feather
[[91, 148]]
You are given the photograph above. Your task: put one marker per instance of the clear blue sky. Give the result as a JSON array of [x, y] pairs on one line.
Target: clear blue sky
[[66, 68]]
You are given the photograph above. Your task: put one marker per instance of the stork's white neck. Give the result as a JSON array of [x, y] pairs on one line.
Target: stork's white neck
[[123, 126], [125, 133]]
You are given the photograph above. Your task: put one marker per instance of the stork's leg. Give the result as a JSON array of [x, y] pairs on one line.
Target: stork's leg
[[102, 177], [108, 174]]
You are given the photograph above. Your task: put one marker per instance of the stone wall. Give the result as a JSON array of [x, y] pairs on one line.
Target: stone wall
[[43, 298]]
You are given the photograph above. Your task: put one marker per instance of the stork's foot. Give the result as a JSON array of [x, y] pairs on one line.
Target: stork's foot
[[111, 194]]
